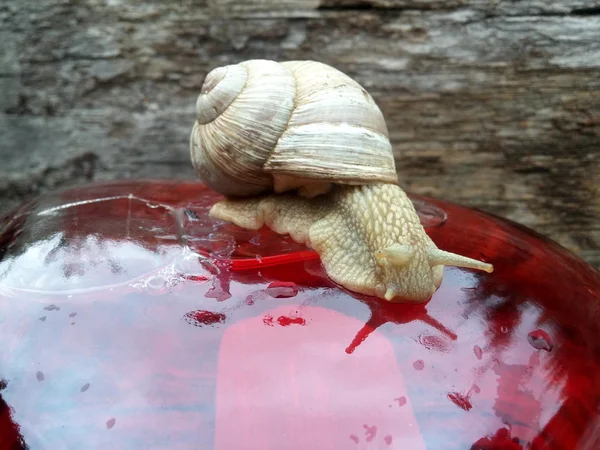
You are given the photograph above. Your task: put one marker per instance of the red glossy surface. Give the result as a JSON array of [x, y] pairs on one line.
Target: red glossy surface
[[130, 320]]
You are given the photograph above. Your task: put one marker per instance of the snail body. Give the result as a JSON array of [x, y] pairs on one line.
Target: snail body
[[302, 148]]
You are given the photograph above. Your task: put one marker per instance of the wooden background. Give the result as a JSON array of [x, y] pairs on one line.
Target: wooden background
[[490, 103]]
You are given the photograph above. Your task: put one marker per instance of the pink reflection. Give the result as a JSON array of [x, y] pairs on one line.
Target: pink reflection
[[271, 395]]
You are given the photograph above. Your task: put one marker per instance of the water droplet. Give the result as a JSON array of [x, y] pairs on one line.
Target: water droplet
[[460, 400], [287, 321], [156, 285], [255, 239], [73, 314], [504, 329], [85, 387], [52, 308], [256, 296], [72, 323], [401, 400], [189, 268], [478, 351], [40, 376], [218, 292], [354, 438], [220, 281], [282, 289], [540, 340], [111, 423], [388, 439], [43, 318], [201, 318], [419, 364]]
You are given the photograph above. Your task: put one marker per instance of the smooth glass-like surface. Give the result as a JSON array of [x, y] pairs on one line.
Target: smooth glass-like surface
[[129, 319]]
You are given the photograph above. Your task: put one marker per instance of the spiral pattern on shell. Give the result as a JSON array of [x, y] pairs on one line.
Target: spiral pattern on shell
[[263, 125]]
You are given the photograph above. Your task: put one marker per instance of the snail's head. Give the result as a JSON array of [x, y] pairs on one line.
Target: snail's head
[[413, 273]]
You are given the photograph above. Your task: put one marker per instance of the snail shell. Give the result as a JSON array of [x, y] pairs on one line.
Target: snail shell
[[268, 126]]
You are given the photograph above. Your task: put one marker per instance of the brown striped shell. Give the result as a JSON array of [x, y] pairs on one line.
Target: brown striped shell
[[268, 126]]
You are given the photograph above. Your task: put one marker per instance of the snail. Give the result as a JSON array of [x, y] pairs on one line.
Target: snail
[[302, 148]]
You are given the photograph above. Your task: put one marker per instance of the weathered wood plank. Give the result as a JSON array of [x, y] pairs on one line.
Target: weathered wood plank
[[494, 104]]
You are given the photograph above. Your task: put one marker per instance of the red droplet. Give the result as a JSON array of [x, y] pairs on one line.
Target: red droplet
[[370, 432], [401, 400], [476, 389], [460, 400], [354, 438], [200, 318], [419, 364], [287, 321], [434, 343], [268, 320], [196, 278], [388, 439], [540, 340], [282, 289], [478, 351]]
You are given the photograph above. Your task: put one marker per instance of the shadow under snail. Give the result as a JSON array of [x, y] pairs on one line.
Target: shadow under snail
[[303, 149]]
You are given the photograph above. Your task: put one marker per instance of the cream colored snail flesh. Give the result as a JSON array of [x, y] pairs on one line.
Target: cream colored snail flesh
[[303, 149]]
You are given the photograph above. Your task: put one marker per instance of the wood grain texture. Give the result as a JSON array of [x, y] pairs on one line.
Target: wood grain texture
[[491, 103]]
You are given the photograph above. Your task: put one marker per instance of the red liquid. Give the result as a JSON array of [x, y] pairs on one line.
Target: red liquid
[[131, 320]]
